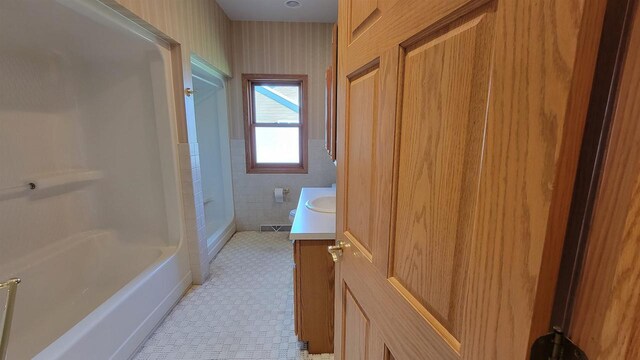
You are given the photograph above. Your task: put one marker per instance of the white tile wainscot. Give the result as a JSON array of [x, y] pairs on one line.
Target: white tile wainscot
[[253, 193]]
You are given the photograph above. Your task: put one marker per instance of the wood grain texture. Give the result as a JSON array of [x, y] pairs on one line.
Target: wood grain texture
[[593, 149], [314, 294], [368, 131], [427, 17], [587, 35], [606, 318], [443, 118], [281, 48], [402, 328], [200, 26], [363, 12], [361, 131], [376, 348], [536, 115], [389, 355], [356, 330], [542, 56]]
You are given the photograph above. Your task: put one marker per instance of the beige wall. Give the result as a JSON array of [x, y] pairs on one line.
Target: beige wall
[[281, 48], [199, 26], [278, 48]]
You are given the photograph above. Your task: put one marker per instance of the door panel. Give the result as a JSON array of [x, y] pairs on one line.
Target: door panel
[[363, 119], [447, 77], [363, 13], [370, 152], [459, 123], [356, 329], [401, 328], [389, 27]]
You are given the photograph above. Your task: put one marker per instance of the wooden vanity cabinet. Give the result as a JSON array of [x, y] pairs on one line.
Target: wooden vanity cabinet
[[313, 288]]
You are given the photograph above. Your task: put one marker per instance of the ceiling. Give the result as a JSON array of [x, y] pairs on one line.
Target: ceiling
[[325, 11]]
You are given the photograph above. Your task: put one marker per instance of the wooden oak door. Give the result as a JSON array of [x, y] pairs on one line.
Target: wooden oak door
[[606, 316], [459, 124]]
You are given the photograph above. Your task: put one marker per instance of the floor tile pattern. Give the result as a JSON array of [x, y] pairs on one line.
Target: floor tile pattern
[[244, 311]]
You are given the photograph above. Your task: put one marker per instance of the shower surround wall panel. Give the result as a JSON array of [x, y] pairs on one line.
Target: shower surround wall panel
[[197, 27], [86, 112], [212, 127]]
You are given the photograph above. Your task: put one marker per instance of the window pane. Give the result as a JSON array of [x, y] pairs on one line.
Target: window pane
[[277, 145], [277, 104]]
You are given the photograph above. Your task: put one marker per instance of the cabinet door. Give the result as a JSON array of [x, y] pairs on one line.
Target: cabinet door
[[314, 295], [459, 125]]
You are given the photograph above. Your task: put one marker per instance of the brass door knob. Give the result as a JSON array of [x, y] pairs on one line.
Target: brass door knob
[[336, 250]]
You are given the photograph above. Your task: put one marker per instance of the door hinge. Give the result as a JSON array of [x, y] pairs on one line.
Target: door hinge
[[556, 346]]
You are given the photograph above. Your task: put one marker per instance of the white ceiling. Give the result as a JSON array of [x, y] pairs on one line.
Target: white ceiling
[[325, 11]]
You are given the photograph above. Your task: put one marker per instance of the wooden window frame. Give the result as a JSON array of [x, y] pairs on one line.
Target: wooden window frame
[[249, 81]]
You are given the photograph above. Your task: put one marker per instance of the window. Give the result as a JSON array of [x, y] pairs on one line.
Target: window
[[275, 115]]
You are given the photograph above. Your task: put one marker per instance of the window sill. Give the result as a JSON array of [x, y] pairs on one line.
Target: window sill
[[276, 170]]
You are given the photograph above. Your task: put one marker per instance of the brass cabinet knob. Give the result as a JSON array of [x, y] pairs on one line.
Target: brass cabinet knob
[[189, 91]]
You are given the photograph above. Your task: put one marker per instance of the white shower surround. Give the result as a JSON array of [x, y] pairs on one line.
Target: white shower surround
[[102, 259], [212, 133]]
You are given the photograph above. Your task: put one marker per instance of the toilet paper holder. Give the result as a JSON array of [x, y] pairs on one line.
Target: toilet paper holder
[[280, 194]]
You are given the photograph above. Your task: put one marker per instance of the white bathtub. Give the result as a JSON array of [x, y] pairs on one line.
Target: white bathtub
[[87, 94], [79, 274]]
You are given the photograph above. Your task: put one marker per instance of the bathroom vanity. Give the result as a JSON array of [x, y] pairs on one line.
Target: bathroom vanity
[[313, 271]]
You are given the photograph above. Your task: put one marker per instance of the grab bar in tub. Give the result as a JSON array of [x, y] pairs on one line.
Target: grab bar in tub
[[12, 286]]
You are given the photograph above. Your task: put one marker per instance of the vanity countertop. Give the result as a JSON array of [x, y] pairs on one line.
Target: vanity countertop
[[312, 225]]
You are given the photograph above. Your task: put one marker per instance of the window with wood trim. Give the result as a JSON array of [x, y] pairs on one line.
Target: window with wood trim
[[275, 123]]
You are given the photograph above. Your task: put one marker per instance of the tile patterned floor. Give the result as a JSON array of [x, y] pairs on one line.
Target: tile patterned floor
[[244, 311]]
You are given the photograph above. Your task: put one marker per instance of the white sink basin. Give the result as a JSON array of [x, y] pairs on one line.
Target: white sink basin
[[325, 204]]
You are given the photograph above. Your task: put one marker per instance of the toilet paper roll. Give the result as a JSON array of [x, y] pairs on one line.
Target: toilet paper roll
[[279, 195]]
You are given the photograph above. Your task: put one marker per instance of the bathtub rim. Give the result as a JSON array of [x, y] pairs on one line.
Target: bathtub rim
[[72, 337]]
